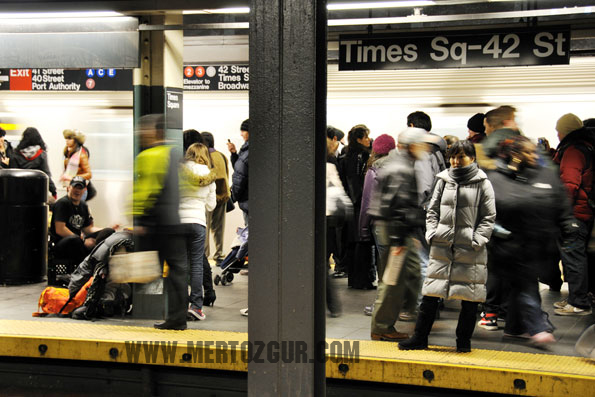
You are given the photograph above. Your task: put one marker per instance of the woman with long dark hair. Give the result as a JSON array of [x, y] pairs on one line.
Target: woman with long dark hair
[[31, 154], [352, 169]]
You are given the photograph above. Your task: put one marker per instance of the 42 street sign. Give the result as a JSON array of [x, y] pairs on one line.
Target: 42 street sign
[[546, 46]]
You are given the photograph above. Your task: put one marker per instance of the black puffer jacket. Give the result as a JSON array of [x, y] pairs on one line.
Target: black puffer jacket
[[534, 207], [352, 169], [33, 158], [239, 179]]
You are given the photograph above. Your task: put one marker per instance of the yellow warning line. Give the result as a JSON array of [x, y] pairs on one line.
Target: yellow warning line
[[480, 370]]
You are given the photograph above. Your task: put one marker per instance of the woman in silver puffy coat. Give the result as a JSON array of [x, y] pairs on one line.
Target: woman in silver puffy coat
[[459, 224]]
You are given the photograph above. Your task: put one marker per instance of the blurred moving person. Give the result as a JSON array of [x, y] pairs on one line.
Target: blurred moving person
[[395, 208], [575, 157], [31, 154], [367, 227], [499, 125], [530, 203], [156, 200], [195, 201], [6, 151], [338, 208], [459, 224], [76, 161], [216, 217]]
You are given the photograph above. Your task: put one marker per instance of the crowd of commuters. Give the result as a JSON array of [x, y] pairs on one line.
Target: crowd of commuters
[[418, 217], [482, 220]]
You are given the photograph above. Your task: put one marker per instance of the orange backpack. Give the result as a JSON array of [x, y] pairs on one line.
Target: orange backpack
[[57, 300]]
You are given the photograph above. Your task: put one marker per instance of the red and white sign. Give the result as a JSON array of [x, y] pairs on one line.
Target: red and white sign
[[90, 83], [188, 71], [200, 71], [20, 79]]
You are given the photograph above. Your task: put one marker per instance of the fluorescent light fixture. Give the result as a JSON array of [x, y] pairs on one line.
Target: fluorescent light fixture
[[35, 15], [234, 10], [379, 4]]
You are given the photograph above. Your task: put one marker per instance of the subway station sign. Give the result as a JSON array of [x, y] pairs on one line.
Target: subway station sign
[[216, 78], [481, 48], [66, 80]]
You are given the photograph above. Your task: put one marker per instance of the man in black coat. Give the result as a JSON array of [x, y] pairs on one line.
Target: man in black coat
[[239, 161]]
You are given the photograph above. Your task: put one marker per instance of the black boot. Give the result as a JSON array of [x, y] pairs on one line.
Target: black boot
[[463, 346], [168, 324], [423, 325], [416, 342]]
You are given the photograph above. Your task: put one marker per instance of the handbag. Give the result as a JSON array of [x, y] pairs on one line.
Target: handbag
[[135, 267]]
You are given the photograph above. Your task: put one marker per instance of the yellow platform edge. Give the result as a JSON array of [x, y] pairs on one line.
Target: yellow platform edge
[[481, 370]]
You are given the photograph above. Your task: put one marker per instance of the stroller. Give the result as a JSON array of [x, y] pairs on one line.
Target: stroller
[[234, 261]]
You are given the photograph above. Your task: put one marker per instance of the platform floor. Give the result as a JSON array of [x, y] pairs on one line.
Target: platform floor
[[18, 302]]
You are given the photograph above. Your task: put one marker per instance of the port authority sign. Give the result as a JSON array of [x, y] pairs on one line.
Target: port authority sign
[[431, 50]]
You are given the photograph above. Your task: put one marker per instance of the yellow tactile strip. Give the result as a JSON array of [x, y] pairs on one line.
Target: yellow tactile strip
[[480, 370]]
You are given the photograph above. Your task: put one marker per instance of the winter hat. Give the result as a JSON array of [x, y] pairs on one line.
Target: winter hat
[[245, 125], [475, 123], [383, 144], [568, 123], [76, 135]]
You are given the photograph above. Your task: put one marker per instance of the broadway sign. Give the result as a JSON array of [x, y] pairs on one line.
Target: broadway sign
[[480, 48]]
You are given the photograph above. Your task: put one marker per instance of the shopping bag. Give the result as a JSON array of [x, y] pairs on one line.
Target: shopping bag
[[394, 264], [135, 267]]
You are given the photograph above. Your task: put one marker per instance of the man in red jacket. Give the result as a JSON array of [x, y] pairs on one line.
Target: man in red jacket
[[575, 157]]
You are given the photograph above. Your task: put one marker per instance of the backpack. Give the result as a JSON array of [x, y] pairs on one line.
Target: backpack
[[58, 301]]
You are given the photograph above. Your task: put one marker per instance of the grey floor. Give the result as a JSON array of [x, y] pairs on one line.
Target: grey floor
[[19, 302]]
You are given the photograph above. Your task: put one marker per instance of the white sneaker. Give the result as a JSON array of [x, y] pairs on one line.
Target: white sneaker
[[244, 312], [570, 310]]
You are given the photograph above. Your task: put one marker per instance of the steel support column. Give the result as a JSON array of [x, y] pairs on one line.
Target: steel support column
[[287, 193]]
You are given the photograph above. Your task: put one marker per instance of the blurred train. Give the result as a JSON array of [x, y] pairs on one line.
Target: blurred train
[[379, 99]]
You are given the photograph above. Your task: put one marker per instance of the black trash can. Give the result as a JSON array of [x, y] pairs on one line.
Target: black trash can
[[23, 226]]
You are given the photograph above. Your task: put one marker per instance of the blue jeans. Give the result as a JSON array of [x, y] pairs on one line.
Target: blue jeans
[[195, 247]]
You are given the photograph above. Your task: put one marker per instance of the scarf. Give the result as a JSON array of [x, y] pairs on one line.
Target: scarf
[[72, 168], [463, 175]]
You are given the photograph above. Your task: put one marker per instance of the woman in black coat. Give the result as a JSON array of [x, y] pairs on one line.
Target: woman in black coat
[[31, 153], [6, 151], [531, 204], [357, 257]]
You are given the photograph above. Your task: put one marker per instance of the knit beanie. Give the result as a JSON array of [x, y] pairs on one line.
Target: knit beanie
[[568, 123], [475, 123], [383, 144], [245, 125]]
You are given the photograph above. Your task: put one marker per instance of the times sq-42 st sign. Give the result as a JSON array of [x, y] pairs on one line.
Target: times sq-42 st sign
[[547, 46]]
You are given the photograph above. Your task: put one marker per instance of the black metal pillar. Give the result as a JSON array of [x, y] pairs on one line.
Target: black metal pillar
[[287, 193]]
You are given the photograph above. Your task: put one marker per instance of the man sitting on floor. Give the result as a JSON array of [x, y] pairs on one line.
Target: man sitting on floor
[[72, 230]]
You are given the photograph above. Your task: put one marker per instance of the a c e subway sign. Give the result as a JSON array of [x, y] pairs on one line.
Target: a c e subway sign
[[479, 48]]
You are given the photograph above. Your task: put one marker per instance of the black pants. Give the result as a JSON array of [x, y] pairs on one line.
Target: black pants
[[497, 294], [427, 314], [170, 241], [332, 299], [72, 249]]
